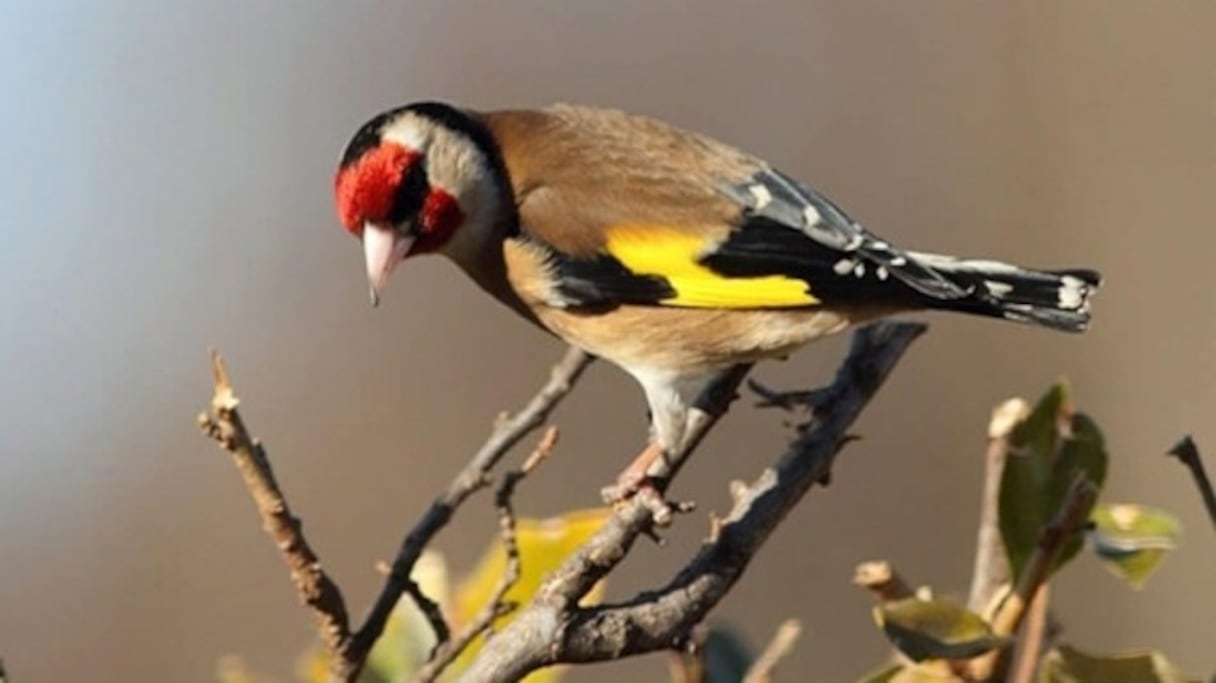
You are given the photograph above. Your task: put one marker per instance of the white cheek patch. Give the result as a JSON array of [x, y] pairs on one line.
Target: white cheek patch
[[456, 166], [416, 136]]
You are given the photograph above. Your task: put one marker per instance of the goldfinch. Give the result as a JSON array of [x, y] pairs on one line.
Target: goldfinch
[[670, 254]]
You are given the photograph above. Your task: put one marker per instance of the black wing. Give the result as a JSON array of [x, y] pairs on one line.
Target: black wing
[[787, 228]]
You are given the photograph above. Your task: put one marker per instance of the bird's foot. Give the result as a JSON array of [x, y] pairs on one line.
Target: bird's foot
[[643, 489], [812, 400], [636, 482], [808, 407], [661, 511], [633, 478], [628, 484]]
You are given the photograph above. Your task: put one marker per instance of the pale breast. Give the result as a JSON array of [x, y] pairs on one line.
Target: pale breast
[[689, 340]]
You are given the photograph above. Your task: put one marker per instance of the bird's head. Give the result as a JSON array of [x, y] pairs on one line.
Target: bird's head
[[419, 179]]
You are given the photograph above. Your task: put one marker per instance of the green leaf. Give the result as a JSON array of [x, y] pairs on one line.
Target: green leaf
[[928, 672], [1132, 540], [883, 675], [935, 629], [1045, 450], [1069, 665]]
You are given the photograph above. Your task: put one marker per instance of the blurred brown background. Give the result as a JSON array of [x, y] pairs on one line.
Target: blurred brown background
[[165, 186]]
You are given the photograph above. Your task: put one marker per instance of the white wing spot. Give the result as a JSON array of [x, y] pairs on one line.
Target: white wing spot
[[811, 215], [843, 266], [881, 272], [860, 269], [899, 261], [761, 194], [880, 245], [1072, 292], [954, 264], [998, 289], [854, 242]]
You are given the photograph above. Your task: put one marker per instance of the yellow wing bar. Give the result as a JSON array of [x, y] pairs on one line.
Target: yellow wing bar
[[674, 255]]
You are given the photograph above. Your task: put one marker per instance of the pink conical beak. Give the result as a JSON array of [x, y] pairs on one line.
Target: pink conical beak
[[384, 247]]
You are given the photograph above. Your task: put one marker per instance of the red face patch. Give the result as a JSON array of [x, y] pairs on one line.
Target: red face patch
[[437, 221], [364, 190]]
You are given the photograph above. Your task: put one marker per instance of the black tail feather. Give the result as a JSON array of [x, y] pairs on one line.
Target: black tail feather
[[1058, 299]]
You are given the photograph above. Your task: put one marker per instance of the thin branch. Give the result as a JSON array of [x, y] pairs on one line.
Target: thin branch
[[471, 479], [709, 407], [885, 585], [1035, 639], [881, 579], [495, 607], [1071, 518], [348, 650], [554, 629], [761, 670], [316, 589], [991, 567], [1188, 454], [586, 566]]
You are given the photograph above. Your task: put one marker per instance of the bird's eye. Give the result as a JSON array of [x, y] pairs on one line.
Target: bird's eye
[[410, 193]]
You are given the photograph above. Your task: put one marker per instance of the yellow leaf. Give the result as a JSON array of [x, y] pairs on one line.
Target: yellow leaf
[[408, 637], [543, 545], [406, 642]]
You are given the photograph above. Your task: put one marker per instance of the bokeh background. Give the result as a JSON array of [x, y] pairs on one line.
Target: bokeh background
[[165, 186]]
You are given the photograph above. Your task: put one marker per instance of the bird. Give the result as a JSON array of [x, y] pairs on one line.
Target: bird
[[670, 254]]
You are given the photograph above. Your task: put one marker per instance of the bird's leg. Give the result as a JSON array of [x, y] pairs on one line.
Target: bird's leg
[[637, 480], [636, 476], [669, 399]]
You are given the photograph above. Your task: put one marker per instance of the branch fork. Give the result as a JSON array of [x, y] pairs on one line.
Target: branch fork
[[553, 628]]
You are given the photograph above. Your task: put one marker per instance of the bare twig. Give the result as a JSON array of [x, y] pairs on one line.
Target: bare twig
[[761, 670], [590, 563], [470, 479], [348, 650], [1069, 520], [495, 607], [885, 585], [789, 401], [1188, 454], [554, 629], [881, 579], [991, 568], [316, 589], [1034, 639]]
